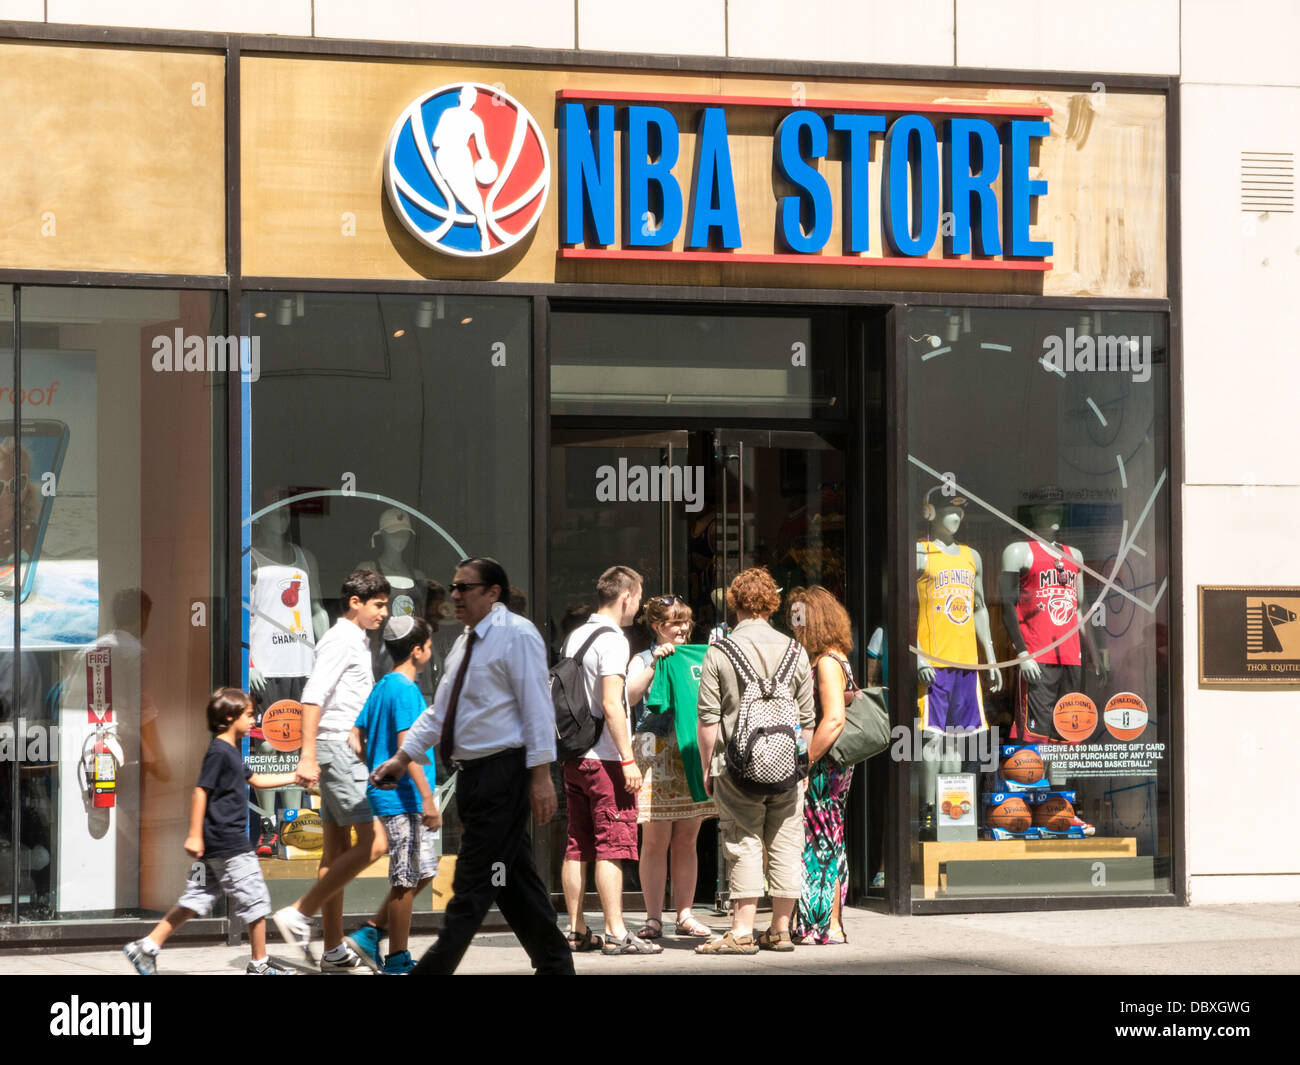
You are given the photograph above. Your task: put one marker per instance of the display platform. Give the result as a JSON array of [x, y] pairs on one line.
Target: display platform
[[935, 855]]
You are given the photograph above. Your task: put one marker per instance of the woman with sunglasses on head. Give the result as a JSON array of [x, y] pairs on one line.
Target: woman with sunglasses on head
[[821, 624], [669, 816]]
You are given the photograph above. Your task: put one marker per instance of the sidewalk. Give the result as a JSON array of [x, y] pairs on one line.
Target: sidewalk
[[1263, 938]]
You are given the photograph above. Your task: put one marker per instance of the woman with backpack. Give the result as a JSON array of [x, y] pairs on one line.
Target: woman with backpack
[[668, 813], [756, 701], [822, 626]]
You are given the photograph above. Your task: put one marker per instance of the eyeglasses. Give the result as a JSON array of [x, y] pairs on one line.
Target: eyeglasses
[[461, 586]]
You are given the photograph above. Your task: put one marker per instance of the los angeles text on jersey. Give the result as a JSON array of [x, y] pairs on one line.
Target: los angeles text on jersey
[[78, 1018], [1152, 1008]]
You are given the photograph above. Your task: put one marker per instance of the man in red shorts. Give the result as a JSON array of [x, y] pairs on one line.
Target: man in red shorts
[[600, 787]]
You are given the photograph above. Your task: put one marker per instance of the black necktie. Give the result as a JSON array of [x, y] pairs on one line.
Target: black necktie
[[449, 726]]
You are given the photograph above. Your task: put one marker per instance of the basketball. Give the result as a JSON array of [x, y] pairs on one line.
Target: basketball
[[1075, 717], [1011, 814], [1024, 766], [302, 829], [282, 725], [1126, 716], [1054, 814], [485, 171]]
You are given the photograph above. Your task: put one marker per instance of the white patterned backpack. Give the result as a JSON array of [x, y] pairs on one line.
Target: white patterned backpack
[[763, 755]]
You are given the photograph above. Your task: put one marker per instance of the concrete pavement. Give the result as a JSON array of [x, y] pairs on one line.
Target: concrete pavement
[[1259, 938]]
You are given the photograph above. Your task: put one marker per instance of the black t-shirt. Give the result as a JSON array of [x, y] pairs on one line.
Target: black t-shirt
[[225, 823]]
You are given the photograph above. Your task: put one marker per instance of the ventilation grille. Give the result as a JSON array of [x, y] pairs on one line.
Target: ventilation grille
[[1268, 182]]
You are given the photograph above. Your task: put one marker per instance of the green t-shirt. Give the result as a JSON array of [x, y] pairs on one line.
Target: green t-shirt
[[676, 686]]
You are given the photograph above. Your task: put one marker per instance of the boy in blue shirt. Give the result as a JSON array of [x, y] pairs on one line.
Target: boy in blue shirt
[[408, 812]]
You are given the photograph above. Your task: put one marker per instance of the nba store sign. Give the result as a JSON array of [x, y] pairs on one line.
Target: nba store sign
[[467, 171]]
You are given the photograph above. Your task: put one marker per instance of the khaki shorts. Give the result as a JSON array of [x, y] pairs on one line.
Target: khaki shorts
[[238, 877], [749, 823], [342, 785]]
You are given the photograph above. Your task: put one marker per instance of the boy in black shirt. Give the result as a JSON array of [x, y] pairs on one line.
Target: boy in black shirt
[[219, 835]]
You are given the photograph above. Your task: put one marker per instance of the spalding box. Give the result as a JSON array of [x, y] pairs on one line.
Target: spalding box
[[1021, 768], [1008, 813], [302, 830], [1054, 815]]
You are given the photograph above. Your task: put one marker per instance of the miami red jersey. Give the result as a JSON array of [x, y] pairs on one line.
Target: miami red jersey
[[1048, 606]]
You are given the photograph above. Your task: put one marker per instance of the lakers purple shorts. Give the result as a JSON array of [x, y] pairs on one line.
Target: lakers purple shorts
[[953, 703]]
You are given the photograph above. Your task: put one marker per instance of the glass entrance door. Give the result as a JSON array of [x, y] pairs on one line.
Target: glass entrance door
[[689, 509]]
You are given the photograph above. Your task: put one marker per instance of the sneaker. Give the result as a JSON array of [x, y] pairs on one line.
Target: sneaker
[[267, 840], [146, 964], [365, 941], [399, 964], [295, 930], [350, 962], [1079, 822], [267, 969]]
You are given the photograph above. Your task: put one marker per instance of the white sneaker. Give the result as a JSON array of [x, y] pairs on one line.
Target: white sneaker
[[295, 929], [350, 962]]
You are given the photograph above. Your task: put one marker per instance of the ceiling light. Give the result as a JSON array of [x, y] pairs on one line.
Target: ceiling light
[[259, 314], [466, 321], [399, 333]]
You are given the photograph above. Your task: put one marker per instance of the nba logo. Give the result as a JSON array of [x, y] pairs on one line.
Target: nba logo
[[466, 170]]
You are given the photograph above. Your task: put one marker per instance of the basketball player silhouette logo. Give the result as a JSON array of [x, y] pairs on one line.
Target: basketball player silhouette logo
[[467, 170]]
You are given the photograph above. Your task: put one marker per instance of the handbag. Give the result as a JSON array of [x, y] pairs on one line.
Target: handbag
[[866, 726]]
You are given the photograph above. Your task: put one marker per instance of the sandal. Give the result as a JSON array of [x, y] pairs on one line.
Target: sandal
[[770, 939], [729, 943], [693, 929], [585, 942], [651, 933], [630, 944]]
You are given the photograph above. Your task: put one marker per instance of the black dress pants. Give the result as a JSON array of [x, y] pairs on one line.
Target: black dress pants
[[495, 864]]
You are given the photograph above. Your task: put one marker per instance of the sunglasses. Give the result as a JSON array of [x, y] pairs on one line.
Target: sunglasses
[[463, 586], [668, 600], [16, 484]]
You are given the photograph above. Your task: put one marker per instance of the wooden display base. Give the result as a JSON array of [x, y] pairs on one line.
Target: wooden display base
[[304, 869], [932, 855]]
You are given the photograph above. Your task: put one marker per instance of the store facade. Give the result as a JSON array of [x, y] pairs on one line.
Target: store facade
[[908, 333]]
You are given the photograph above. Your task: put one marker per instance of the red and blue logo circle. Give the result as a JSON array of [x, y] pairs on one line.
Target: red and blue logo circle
[[467, 170]]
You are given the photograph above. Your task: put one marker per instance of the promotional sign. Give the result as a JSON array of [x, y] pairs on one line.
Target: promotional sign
[[1249, 635], [99, 686]]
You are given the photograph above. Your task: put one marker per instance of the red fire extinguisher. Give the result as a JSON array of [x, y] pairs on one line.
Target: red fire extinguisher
[[101, 757]]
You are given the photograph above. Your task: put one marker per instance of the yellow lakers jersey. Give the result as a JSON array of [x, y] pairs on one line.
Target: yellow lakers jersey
[[945, 597]]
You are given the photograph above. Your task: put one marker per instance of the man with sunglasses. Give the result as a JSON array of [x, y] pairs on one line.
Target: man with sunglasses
[[493, 720]]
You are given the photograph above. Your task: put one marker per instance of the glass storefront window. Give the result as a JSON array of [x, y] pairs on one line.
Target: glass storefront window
[[1038, 460], [113, 592], [696, 365], [388, 433]]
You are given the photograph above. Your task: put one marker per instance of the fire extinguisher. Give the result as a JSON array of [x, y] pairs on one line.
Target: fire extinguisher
[[101, 756]]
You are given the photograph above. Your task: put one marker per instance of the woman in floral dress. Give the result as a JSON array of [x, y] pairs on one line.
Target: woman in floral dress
[[822, 626]]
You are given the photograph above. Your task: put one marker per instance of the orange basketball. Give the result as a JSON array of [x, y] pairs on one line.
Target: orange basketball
[[1023, 766], [1054, 814], [282, 725], [1010, 814], [1075, 717], [1126, 716]]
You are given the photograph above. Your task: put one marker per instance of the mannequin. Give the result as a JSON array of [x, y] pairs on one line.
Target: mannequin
[[287, 620], [952, 618], [408, 585], [1041, 588]]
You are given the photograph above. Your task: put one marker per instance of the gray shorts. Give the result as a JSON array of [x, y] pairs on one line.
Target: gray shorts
[[412, 850], [342, 785], [238, 877]]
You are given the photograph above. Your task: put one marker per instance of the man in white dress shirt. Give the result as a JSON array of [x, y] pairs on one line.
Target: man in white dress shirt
[[494, 721]]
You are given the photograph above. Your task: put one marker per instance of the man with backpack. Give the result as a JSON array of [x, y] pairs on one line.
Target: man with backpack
[[756, 700], [600, 783]]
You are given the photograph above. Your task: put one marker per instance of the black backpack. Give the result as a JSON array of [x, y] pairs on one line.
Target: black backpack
[[576, 728]]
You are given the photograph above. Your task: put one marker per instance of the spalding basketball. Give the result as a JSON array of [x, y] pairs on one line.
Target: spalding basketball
[[1011, 814], [1075, 717], [282, 725], [1125, 716], [1023, 766], [1054, 814], [302, 829]]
